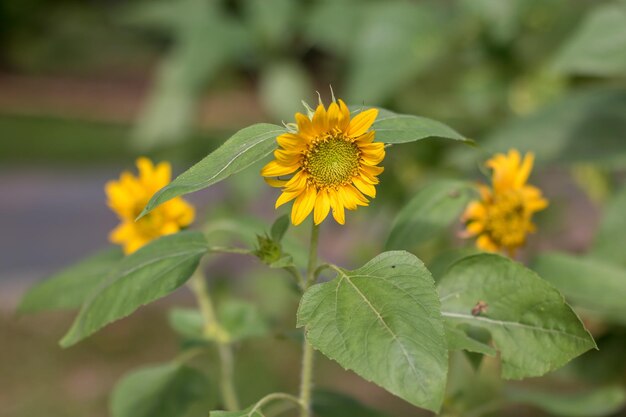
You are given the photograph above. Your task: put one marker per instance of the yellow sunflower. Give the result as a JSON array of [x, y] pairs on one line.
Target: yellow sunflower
[[332, 160], [127, 198], [502, 218]]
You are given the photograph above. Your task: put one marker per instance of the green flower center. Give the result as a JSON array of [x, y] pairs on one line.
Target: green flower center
[[332, 161]]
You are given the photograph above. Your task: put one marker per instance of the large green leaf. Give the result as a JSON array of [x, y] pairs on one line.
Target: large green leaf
[[334, 404], [383, 322], [392, 127], [598, 47], [593, 285], [610, 241], [600, 402], [529, 321], [458, 339], [69, 288], [585, 126], [243, 149], [428, 213], [152, 272], [165, 390]]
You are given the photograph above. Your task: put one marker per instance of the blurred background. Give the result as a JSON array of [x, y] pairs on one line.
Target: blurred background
[[87, 86]]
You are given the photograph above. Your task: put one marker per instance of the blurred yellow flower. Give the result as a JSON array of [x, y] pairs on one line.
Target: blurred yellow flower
[[502, 218], [332, 160], [127, 198]]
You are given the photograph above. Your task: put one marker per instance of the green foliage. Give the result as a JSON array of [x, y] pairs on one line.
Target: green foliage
[[69, 288], [596, 286], [334, 404], [428, 213], [282, 86], [611, 238], [598, 47], [241, 150], [600, 402], [187, 322], [562, 131], [164, 390], [382, 321], [395, 128], [243, 413], [241, 320], [279, 228], [458, 339], [152, 272], [523, 313]]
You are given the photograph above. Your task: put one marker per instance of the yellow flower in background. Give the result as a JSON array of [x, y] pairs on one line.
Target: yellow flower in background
[[332, 160], [127, 198], [502, 218]]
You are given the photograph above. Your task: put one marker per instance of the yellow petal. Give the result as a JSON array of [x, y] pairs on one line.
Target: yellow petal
[[344, 117], [333, 115], [303, 205], [364, 187], [275, 169], [305, 126], [485, 243], [273, 182], [366, 138], [339, 213], [297, 182], [286, 196], [362, 122], [320, 121], [322, 206], [524, 170]]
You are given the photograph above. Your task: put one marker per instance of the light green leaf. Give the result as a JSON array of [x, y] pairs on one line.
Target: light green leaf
[[166, 390], [600, 402], [594, 285], [187, 322], [445, 259], [279, 228], [529, 321], [241, 320], [334, 404], [610, 241], [561, 131], [459, 340], [391, 127], [243, 149], [152, 272], [598, 47], [382, 321], [430, 212], [69, 288]]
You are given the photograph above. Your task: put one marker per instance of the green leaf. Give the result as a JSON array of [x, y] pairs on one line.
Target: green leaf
[[610, 241], [391, 127], [241, 320], [600, 402], [460, 340], [560, 131], [152, 272], [242, 413], [166, 390], [243, 149], [279, 228], [594, 285], [383, 322], [530, 323], [598, 47], [187, 322], [69, 288], [445, 259], [430, 212], [334, 404]]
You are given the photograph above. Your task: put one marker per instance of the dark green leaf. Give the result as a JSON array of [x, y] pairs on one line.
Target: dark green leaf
[[430, 212], [243, 149], [168, 390], [593, 285], [69, 288], [383, 322], [530, 323], [600, 402], [334, 404], [152, 272], [391, 127]]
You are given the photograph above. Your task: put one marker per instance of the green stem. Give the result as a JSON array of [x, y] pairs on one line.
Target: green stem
[[308, 354], [212, 325]]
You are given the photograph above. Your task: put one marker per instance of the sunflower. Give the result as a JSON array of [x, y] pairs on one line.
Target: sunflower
[[502, 218], [127, 198], [332, 160]]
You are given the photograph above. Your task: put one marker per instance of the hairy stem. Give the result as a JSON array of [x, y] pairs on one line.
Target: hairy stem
[[213, 329], [308, 354]]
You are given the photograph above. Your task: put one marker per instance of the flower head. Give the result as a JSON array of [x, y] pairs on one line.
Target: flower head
[[127, 198], [332, 160], [502, 218]]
